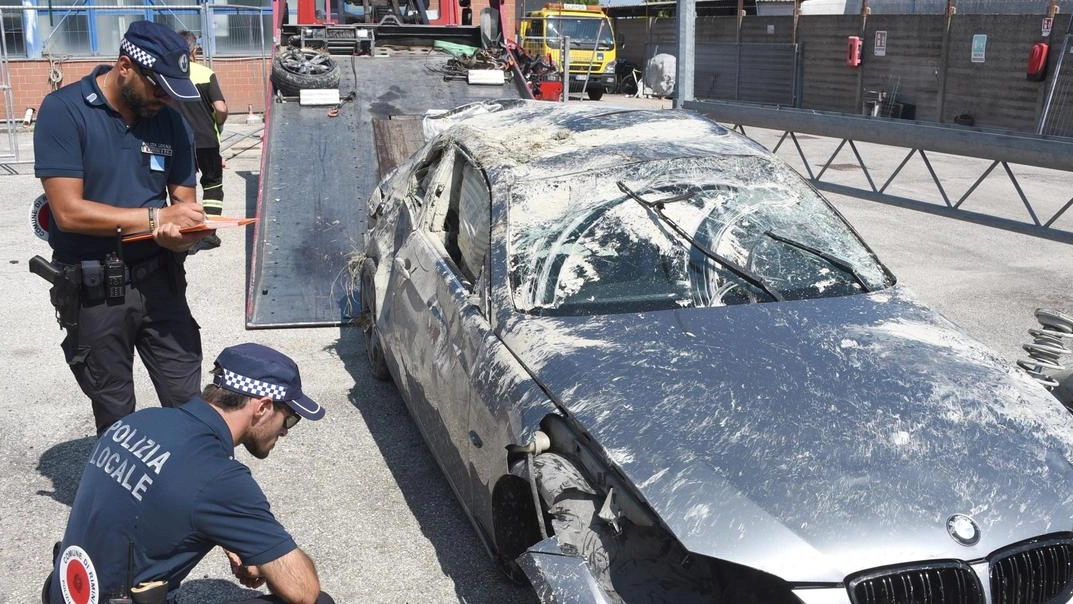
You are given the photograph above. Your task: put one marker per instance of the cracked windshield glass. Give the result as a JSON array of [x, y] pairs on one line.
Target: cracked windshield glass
[[680, 233]]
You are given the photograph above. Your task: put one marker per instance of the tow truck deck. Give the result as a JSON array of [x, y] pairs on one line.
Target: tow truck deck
[[318, 171]]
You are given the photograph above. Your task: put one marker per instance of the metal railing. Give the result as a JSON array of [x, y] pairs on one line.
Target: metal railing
[[91, 30], [1000, 147]]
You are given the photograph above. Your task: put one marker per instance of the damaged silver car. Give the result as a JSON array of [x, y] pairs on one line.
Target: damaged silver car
[[656, 365]]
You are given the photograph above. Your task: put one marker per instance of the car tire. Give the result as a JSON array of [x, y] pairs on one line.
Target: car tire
[[595, 94], [374, 349], [296, 68]]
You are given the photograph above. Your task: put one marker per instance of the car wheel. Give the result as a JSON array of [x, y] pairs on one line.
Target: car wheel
[[373, 348], [595, 94], [296, 68]]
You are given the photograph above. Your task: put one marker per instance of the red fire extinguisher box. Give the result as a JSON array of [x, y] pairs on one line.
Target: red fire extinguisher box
[[853, 51], [1037, 63]]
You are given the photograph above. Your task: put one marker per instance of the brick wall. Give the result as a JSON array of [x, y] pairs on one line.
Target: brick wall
[[240, 80]]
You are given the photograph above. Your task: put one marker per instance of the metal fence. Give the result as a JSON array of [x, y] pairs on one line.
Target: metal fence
[[762, 73], [91, 30], [8, 148], [1057, 116]]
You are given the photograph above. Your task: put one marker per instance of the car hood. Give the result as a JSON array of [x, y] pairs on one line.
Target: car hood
[[811, 439]]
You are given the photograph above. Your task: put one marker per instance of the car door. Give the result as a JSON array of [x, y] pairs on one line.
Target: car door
[[423, 288], [485, 380]]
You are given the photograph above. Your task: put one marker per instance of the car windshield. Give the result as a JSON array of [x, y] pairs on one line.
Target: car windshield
[[581, 31], [678, 233]]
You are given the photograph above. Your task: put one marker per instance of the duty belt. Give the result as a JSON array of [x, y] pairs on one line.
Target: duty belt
[[135, 272]]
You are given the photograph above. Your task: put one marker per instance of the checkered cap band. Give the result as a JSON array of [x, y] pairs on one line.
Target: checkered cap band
[[143, 58], [252, 387]]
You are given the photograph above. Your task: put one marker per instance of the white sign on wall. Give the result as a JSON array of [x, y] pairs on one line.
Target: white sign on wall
[[979, 48], [880, 48], [1045, 29]]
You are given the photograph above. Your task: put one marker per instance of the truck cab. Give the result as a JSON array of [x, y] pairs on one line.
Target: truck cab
[[591, 43]]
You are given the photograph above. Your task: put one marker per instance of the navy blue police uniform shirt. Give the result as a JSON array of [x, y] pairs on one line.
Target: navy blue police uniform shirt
[[79, 135], [166, 481]]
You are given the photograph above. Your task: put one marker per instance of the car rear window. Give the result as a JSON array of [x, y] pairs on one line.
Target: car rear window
[[712, 231]]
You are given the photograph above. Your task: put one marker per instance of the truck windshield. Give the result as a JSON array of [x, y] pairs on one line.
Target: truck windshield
[[580, 245], [582, 32]]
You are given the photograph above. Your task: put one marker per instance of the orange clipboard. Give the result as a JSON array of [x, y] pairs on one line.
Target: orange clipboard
[[211, 224]]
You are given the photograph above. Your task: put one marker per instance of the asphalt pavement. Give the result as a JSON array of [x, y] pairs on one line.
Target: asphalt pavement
[[359, 490]]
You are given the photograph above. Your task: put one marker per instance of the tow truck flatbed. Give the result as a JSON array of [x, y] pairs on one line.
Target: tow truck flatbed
[[317, 173]]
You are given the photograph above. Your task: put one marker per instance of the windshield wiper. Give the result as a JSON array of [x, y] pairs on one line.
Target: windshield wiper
[[657, 208], [830, 258]]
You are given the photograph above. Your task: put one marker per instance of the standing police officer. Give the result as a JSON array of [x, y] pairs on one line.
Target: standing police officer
[[162, 488], [110, 153]]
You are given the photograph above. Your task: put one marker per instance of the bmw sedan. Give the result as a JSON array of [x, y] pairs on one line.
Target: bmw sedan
[[656, 365]]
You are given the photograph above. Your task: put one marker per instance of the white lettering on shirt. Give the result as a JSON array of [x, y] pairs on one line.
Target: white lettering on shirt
[[120, 467]]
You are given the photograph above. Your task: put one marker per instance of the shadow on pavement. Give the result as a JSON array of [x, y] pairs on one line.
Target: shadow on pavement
[[63, 465], [460, 553], [213, 591]]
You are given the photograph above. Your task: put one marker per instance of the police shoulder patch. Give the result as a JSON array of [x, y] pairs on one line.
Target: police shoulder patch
[[78, 578]]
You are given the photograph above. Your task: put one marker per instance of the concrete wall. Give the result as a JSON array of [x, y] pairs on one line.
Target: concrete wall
[[919, 56]]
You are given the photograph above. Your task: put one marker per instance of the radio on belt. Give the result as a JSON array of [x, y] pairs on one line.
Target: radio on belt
[[114, 271]]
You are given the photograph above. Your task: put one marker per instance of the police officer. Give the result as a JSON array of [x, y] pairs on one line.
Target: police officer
[[110, 153], [205, 117], [162, 488]]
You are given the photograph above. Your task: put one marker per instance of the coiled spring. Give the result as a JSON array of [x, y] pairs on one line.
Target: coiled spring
[[1047, 346]]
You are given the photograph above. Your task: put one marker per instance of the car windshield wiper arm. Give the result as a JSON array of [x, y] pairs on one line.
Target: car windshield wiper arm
[[657, 208], [830, 258]]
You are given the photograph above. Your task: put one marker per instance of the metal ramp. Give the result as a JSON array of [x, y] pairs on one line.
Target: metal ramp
[[316, 176]]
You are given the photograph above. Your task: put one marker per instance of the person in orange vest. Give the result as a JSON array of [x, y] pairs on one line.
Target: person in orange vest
[[206, 117]]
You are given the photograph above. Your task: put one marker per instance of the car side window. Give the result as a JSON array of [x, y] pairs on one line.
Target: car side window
[[458, 213], [474, 221]]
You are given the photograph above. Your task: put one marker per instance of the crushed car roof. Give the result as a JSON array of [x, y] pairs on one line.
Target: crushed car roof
[[529, 138]]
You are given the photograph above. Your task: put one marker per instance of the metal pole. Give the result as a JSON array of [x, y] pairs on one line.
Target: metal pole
[[592, 57], [564, 54], [797, 19], [860, 68], [944, 65], [686, 18], [264, 61], [208, 36], [737, 45]]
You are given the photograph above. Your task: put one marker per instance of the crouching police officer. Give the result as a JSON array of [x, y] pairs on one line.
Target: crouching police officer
[[162, 488], [110, 153]]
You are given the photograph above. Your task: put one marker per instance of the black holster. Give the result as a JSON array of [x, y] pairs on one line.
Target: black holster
[[66, 291]]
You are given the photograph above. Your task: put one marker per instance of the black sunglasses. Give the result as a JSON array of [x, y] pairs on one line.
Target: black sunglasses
[[292, 417], [145, 75]]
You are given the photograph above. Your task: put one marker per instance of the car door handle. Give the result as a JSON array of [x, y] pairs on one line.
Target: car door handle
[[402, 266]]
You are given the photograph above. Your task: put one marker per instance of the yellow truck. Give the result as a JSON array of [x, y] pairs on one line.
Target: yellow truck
[[592, 43]]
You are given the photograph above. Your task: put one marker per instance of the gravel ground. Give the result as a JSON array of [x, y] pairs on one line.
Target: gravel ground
[[359, 490]]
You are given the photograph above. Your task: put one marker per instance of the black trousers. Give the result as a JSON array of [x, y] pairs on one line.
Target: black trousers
[[210, 165], [154, 319]]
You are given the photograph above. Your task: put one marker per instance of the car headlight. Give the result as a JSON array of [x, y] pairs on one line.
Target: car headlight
[[610, 67]]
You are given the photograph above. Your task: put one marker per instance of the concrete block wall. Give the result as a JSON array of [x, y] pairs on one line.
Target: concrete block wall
[[923, 65]]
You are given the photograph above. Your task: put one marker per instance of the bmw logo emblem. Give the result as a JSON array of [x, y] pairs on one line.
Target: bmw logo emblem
[[963, 529]]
